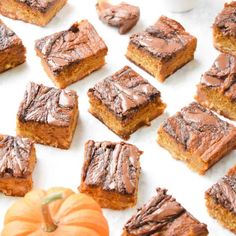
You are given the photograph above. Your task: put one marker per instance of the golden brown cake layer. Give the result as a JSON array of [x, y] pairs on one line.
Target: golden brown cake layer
[[38, 12], [110, 173], [163, 215], [162, 48], [197, 136]]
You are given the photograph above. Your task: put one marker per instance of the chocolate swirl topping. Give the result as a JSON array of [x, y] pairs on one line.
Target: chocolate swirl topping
[[224, 192], [14, 156], [124, 92], [47, 105], [162, 40], [162, 215], [7, 37], [111, 166], [199, 130], [226, 20], [71, 46], [124, 16], [40, 5], [222, 76]]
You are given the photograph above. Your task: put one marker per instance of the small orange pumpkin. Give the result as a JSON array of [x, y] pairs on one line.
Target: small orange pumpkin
[[56, 212]]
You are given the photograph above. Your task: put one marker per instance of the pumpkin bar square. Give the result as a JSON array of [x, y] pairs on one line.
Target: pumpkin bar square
[[70, 55], [224, 29], [17, 162], [48, 115], [125, 101], [217, 88], [110, 173], [162, 48], [12, 50], [123, 16], [163, 215], [220, 200], [38, 12], [197, 136]]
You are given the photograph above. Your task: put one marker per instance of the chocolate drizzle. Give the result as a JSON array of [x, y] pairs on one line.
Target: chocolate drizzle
[[111, 166], [124, 92], [222, 76], [7, 37], [47, 105], [14, 156], [40, 5], [162, 215], [199, 130], [226, 20], [124, 16], [71, 46], [224, 192], [162, 40]]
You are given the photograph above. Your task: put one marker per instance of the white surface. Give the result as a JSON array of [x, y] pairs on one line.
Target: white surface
[[179, 5], [56, 167]]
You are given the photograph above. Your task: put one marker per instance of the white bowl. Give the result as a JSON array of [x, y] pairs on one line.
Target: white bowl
[[179, 5]]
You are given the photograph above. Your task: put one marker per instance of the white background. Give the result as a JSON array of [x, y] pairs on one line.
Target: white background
[[57, 167]]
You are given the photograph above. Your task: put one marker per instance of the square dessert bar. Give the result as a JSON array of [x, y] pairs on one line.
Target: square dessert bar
[[221, 198], [224, 29], [162, 215], [48, 115], [110, 173], [125, 101], [124, 16], [197, 136], [12, 51], [38, 12], [162, 48], [70, 55], [217, 89], [17, 162]]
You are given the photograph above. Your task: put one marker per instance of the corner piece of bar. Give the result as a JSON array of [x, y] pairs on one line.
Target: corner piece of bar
[[163, 215]]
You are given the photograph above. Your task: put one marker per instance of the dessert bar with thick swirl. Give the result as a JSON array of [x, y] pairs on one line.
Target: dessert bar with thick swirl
[[162, 48], [217, 88], [224, 29], [221, 200], [38, 12], [110, 173], [123, 16], [125, 101], [48, 115], [197, 136], [70, 55], [17, 162], [12, 50], [162, 215]]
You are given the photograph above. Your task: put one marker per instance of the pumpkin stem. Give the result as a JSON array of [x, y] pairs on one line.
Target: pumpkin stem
[[49, 225]]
